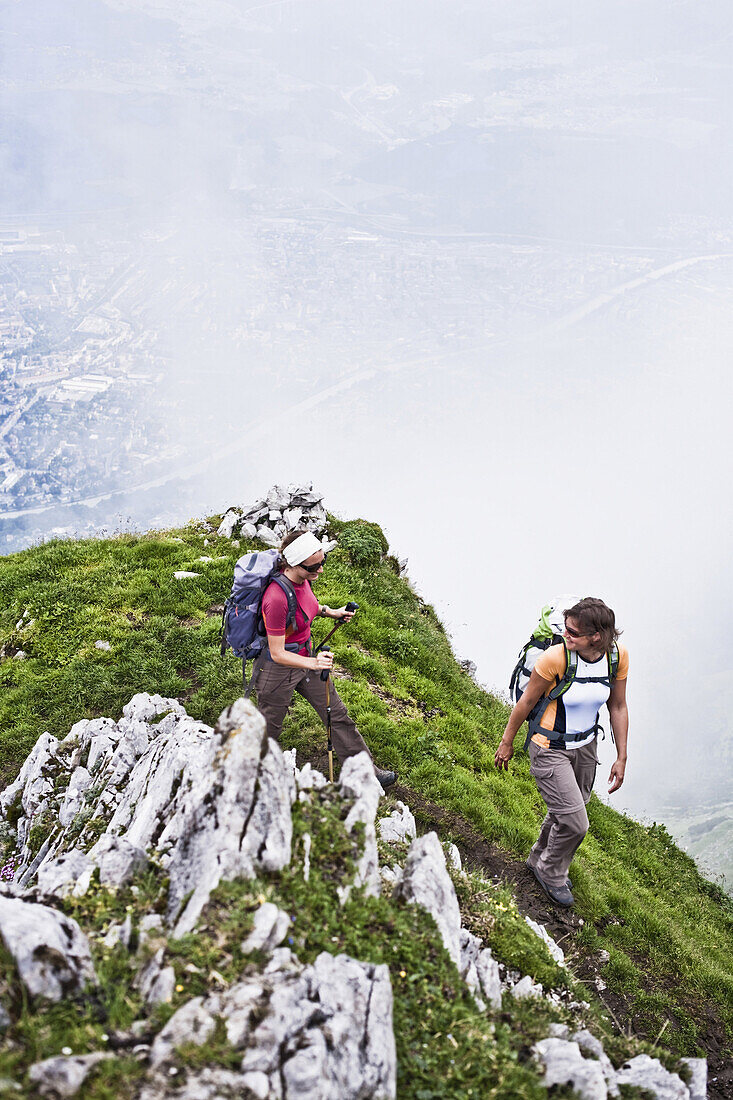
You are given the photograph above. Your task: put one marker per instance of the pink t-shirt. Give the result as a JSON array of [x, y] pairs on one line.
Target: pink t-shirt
[[275, 612]]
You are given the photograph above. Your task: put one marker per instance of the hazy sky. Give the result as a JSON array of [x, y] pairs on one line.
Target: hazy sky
[[481, 259]]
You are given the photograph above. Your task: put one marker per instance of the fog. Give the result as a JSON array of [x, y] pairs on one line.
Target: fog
[[468, 267]]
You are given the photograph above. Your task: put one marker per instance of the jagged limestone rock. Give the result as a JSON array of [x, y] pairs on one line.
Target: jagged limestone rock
[[454, 858], [308, 778], [525, 987], [649, 1073], [321, 1032], [63, 1075], [228, 523], [399, 826], [698, 1085], [480, 970], [231, 816], [190, 1024], [271, 926], [207, 1084], [594, 1047], [358, 781], [119, 933], [268, 536], [117, 859], [80, 781], [426, 882], [564, 1064], [68, 874], [555, 950], [50, 950], [156, 982]]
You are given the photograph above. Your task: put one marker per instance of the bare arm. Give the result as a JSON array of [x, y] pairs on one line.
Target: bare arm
[[283, 656], [534, 691], [619, 713]]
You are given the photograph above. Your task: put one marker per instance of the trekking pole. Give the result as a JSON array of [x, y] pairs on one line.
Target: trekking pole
[[351, 606], [325, 676]]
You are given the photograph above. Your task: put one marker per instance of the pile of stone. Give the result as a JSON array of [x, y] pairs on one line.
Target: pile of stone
[[210, 805], [281, 511]]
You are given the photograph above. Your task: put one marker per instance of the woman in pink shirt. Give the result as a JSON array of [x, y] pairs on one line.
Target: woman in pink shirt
[[286, 665]]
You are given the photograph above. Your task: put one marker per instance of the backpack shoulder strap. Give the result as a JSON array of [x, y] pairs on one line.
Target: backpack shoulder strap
[[566, 680], [613, 660], [283, 583]]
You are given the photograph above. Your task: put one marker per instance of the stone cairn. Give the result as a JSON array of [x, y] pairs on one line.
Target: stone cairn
[[281, 511], [212, 805]]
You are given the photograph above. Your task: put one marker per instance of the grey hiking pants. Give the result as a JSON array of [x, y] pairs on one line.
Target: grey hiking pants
[[275, 686], [565, 781]]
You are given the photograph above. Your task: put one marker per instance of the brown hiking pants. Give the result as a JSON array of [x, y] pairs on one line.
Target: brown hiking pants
[[565, 781], [275, 686]]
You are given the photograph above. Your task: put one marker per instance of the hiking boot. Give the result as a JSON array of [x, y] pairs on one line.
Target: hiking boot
[[385, 777], [561, 895], [568, 881]]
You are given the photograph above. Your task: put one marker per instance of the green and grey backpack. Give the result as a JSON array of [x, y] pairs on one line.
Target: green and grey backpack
[[549, 632]]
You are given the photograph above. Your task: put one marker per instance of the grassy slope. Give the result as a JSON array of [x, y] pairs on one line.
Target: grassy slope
[[668, 931]]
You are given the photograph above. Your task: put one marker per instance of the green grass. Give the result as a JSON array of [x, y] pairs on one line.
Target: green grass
[[669, 931]]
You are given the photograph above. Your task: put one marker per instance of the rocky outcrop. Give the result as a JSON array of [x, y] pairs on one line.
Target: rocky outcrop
[[426, 882], [321, 1032], [49, 949], [158, 790], [282, 510]]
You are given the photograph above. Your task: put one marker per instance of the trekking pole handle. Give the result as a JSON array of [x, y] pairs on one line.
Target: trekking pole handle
[[351, 606], [324, 674]]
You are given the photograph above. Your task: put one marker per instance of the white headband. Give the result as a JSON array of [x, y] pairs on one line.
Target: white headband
[[301, 548]]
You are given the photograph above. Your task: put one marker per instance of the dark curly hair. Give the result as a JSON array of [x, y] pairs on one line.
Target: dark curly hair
[[595, 617]]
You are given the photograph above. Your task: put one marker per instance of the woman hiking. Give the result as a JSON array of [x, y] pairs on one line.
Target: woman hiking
[[563, 733], [286, 665]]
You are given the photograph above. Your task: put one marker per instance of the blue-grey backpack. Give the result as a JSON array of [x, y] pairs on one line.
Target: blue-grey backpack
[[242, 627]]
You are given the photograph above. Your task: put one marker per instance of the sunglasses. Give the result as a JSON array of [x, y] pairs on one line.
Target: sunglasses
[[314, 568], [574, 633]]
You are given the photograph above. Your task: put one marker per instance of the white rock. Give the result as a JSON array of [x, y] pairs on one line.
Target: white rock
[[258, 1084], [118, 860], [399, 826], [185, 575], [50, 950], [594, 1047], [271, 926], [699, 1081], [564, 1064], [555, 950], [268, 536], [248, 530], [426, 882], [346, 1001], [119, 933], [68, 874], [309, 779], [63, 1076], [228, 523], [480, 970], [144, 707], [358, 781], [156, 983], [105, 646], [649, 1073], [190, 1024], [525, 987], [74, 801], [454, 858]]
